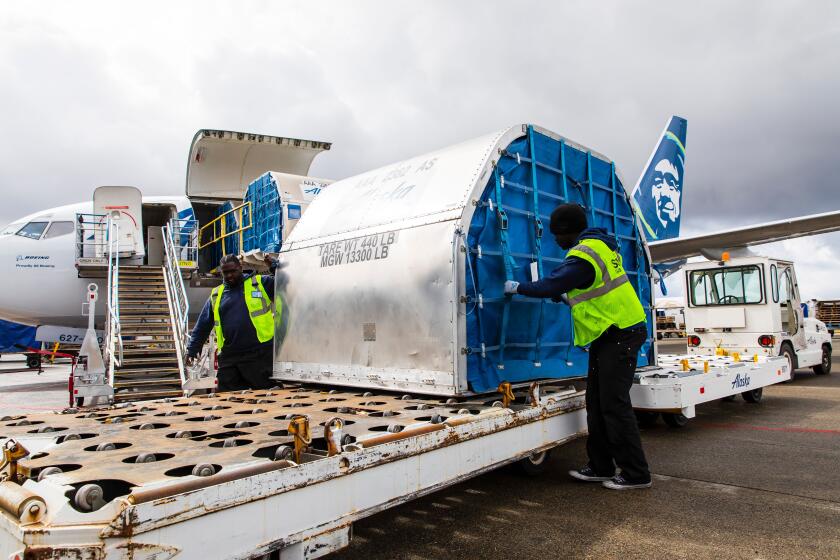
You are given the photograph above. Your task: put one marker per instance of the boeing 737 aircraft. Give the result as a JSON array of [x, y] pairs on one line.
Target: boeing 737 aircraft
[[46, 255]]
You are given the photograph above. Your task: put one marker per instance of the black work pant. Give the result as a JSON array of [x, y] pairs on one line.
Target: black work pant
[[613, 433], [246, 370]]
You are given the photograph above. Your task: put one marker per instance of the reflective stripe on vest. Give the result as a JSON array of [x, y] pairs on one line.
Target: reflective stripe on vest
[[259, 310], [609, 283], [609, 300]]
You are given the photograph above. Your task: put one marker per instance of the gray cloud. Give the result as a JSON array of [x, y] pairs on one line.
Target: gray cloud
[[106, 94]]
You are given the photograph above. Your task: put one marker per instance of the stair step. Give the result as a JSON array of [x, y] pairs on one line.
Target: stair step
[[148, 351], [141, 271], [142, 382], [128, 362], [135, 372], [145, 341], [129, 396]]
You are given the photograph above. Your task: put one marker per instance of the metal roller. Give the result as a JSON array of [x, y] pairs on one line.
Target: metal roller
[[21, 503]]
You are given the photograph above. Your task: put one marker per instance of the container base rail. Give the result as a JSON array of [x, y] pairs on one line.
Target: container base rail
[[241, 475], [681, 382]]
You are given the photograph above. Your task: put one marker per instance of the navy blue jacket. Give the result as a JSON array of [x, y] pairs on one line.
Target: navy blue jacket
[[572, 274], [237, 328]]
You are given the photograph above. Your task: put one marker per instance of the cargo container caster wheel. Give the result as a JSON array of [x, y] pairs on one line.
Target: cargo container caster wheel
[[534, 464], [677, 420]]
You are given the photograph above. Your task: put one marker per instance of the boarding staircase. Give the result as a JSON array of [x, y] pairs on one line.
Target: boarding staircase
[[150, 365], [146, 330]]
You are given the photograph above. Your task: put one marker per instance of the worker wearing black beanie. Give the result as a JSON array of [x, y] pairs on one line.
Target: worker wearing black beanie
[[609, 318]]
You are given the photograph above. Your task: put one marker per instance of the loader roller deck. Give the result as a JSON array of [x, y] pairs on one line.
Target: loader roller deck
[[189, 431], [154, 462]]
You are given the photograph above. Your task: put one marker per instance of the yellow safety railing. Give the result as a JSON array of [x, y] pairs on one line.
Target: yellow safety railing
[[219, 233]]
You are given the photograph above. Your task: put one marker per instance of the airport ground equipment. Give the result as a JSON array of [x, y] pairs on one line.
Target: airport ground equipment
[[751, 306], [89, 378], [239, 475], [828, 311], [681, 382], [668, 327], [396, 275]]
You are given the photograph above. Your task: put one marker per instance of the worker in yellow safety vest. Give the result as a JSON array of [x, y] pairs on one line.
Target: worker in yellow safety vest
[[609, 318], [242, 312]]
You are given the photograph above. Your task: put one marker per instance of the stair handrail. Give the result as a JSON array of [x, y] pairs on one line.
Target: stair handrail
[[91, 233], [113, 336], [176, 295]]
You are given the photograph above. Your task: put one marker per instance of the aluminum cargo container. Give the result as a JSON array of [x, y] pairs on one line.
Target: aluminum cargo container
[[396, 275]]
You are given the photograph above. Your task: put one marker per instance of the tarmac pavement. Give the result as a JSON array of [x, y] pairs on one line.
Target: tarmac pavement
[[739, 481]]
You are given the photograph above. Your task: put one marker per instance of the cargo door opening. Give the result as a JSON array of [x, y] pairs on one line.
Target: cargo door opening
[[155, 216], [219, 232]]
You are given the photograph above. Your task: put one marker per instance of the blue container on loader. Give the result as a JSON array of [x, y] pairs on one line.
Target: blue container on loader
[[274, 202], [396, 275]]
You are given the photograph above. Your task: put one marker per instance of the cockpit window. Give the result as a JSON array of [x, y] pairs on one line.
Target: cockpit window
[[33, 230], [58, 229], [11, 229]]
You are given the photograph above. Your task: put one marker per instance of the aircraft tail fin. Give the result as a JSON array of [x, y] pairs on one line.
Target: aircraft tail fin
[[657, 196]]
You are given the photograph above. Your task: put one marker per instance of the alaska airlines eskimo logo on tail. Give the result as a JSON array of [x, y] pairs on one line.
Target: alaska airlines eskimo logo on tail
[[657, 197]]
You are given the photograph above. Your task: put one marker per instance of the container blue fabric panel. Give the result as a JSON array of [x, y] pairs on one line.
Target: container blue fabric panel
[[13, 336], [536, 342], [265, 214]]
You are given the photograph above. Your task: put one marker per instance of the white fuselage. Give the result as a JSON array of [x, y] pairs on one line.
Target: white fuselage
[[41, 283]]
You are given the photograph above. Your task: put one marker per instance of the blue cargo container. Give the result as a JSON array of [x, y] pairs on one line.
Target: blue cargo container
[[519, 338], [265, 214]]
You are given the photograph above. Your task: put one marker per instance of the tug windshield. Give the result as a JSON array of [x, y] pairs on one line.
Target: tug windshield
[[736, 285]]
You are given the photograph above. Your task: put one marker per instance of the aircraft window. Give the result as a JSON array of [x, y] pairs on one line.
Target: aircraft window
[[58, 229], [11, 228], [726, 286], [33, 230]]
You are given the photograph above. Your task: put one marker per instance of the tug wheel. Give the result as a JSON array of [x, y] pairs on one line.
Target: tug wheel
[[824, 367], [646, 418], [787, 353], [753, 396]]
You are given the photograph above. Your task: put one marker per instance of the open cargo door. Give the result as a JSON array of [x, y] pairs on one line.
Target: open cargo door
[[124, 205], [222, 163]]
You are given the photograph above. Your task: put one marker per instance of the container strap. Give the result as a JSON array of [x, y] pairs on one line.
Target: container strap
[[502, 223], [538, 231]]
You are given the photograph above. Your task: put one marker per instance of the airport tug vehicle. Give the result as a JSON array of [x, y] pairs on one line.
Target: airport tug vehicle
[[751, 306], [746, 330]]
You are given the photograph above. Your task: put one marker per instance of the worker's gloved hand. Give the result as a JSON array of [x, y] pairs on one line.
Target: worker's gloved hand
[[269, 262], [511, 287]]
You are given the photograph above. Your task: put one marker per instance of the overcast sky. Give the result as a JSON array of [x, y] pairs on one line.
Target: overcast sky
[[98, 93]]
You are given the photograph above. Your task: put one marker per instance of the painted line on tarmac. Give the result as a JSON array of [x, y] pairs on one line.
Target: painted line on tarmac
[[833, 504], [752, 427]]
